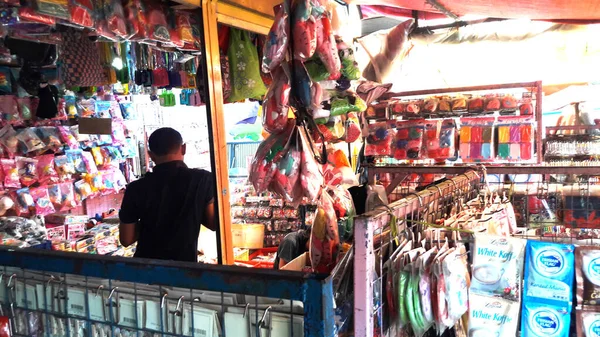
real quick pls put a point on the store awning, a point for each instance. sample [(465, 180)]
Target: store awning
[(522, 9)]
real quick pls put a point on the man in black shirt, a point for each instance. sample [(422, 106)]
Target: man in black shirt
[(163, 210), (292, 246)]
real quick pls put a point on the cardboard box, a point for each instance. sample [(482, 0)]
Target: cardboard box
[(56, 232), (298, 264)]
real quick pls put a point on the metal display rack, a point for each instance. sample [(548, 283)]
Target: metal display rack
[(130, 276)]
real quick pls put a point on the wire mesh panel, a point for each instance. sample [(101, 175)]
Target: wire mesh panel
[(64, 297)]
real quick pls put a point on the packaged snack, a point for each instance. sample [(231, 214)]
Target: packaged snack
[(24, 201), (492, 316), (158, 28), (275, 48), (10, 172), (445, 105), (76, 158), (83, 190), (353, 131), (9, 109), (50, 136), (128, 110), (67, 137), (25, 107), (90, 164), (440, 139), (515, 138), (304, 30), (587, 261), (102, 109), (98, 157), (27, 168), (476, 105), (492, 104), (311, 177), (409, 140), (64, 166), (509, 103), (30, 140), (68, 199), (45, 169), (459, 104), (43, 206), (276, 103), (82, 12), (430, 105), (588, 323), (55, 195), (8, 138), (498, 266), (379, 141), (545, 320), (549, 273), (476, 139), (55, 8)]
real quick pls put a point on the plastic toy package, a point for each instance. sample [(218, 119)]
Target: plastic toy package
[(286, 181), (265, 160), (29, 14), (276, 103), (379, 140), (27, 168), (43, 205), (439, 139), (135, 16), (330, 131), (50, 136), (68, 199), (304, 30), (275, 47), (515, 138), (350, 68), (55, 195), (343, 105), (476, 139), (157, 21), (98, 157), (311, 177), (353, 131), (76, 158), (10, 172), (327, 47), (102, 109), (83, 190), (55, 8), (409, 140), (24, 201), (128, 110), (29, 140), (118, 133), (25, 107), (67, 137), (88, 161), (64, 166), (9, 109), (325, 239), (8, 138), (82, 12), (184, 27), (45, 169)]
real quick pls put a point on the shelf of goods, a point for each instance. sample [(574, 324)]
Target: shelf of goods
[(481, 124), (399, 247), (149, 298)]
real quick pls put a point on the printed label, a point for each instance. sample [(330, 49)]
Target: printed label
[(549, 272), (492, 317), (549, 262), (76, 300), (545, 322)]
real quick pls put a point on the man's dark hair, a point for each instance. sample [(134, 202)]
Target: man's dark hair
[(165, 141)]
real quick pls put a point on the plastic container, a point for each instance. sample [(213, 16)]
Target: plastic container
[(249, 236)]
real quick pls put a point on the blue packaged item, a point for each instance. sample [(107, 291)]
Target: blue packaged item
[(549, 273), (542, 320)]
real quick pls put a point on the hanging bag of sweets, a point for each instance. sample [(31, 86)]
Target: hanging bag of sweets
[(276, 103), (304, 30), (327, 48), (275, 47), (245, 73)]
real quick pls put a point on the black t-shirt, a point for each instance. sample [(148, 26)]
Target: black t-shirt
[(169, 206), (292, 246)]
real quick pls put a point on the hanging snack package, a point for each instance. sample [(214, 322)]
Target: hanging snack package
[(311, 177), (27, 168), (549, 273), (275, 48), (409, 140), (545, 320), (102, 109), (55, 195), (68, 198), (50, 136), (353, 131), (45, 169), (265, 160), (587, 261), (10, 173), (82, 12), (118, 133), (98, 157), (184, 27), (90, 164), (83, 190), (476, 139), (25, 107), (327, 47), (9, 109), (67, 137), (304, 30), (55, 8), (489, 316), (8, 138), (64, 166), (276, 104), (440, 138), (76, 158), (128, 110), (43, 205), (30, 141), (588, 322), (24, 201), (379, 141), (498, 266), (157, 21), (515, 138), (324, 236)]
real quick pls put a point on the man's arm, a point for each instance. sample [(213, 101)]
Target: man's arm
[(287, 251), (128, 218), (209, 216)]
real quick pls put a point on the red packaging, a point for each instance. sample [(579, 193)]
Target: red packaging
[(175, 40), (82, 12), (43, 206), (115, 18), (68, 199), (45, 169), (135, 15), (10, 173), (157, 22), (27, 168), (29, 14), (184, 27)]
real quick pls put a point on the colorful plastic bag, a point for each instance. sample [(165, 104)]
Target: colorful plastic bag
[(439, 139), (82, 12), (409, 140), (10, 172), (379, 139), (27, 168), (276, 104), (353, 131), (327, 48), (266, 158), (304, 30), (277, 42), (45, 169), (245, 73), (43, 205), (311, 177), (324, 243)]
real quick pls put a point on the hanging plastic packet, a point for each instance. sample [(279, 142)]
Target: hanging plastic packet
[(286, 179), (549, 273), (82, 12), (25, 107), (409, 140), (129, 150), (8, 138), (587, 261), (440, 139), (324, 237), (30, 140), (24, 201), (102, 109), (115, 18), (455, 275), (304, 30), (379, 140), (275, 48), (10, 172), (68, 199), (276, 103), (498, 266), (302, 86), (136, 20), (118, 133), (545, 320), (343, 105), (27, 168), (184, 27), (71, 106), (492, 316), (331, 131), (55, 8), (76, 157), (344, 209), (266, 158), (128, 110), (515, 138), (67, 137), (327, 47), (83, 190), (492, 104), (97, 155), (45, 169), (43, 205), (588, 323), (157, 21), (55, 195), (353, 131), (90, 164), (350, 68), (476, 139), (50, 136), (311, 177), (64, 166), (9, 109)]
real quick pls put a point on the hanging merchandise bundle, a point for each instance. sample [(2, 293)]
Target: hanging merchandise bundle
[(312, 74), (65, 139)]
